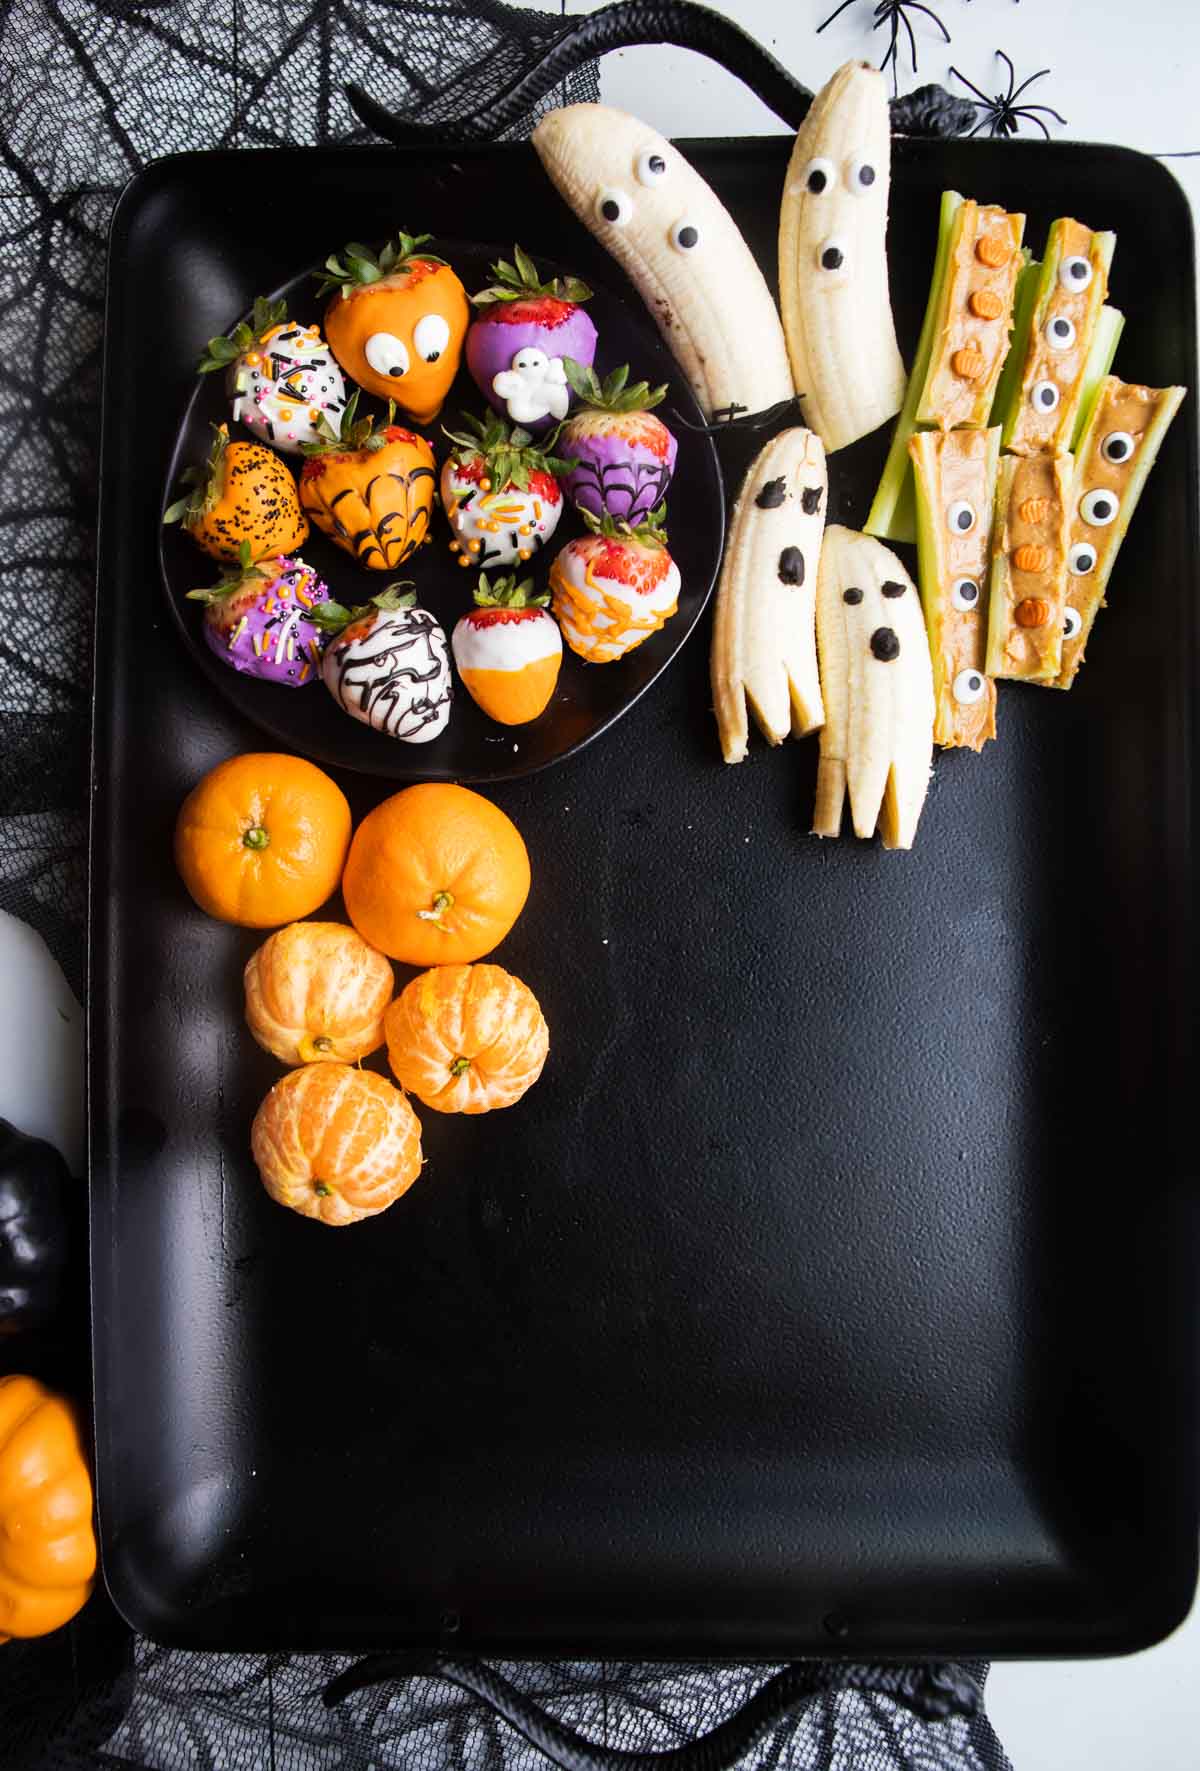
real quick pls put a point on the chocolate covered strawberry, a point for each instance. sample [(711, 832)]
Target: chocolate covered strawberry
[(261, 620), (508, 650), (517, 346), (500, 493), (625, 456), (615, 587)]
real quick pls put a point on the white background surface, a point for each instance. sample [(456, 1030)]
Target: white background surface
[(1125, 73), (1122, 73)]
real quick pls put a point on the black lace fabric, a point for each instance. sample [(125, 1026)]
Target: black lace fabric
[(90, 91)]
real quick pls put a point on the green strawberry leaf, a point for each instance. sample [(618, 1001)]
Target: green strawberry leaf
[(221, 352), (363, 267), (507, 593), (651, 531), (519, 281)]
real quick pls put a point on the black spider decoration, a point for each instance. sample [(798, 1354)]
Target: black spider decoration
[(1002, 114), (893, 14)]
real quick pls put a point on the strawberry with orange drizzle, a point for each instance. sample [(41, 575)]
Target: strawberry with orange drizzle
[(615, 587), (625, 456), (500, 493), (508, 650)]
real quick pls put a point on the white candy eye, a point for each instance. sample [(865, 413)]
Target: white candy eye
[(1082, 559), (833, 252), (1060, 333), (968, 687), (965, 594), (861, 175), (650, 167), (1117, 446), (386, 355), (961, 517), (431, 335), (614, 207), (819, 175), (684, 235), (1072, 622), (1075, 273), (1043, 396), (1098, 508)]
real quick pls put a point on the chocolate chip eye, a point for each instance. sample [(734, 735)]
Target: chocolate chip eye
[(891, 588), (1043, 396), (885, 644), (1082, 559), (614, 207), (1117, 446), (651, 167), (772, 494), (1060, 333), (1098, 508), (1075, 273), (860, 175), (1072, 622), (965, 594), (819, 175), (791, 566), (852, 596), (961, 517), (968, 687), (832, 253), (810, 500), (684, 235)]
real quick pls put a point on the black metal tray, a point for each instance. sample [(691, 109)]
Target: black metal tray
[(834, 1291)]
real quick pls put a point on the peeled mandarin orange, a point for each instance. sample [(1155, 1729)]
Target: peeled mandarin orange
[(262, 839), (315, 992), (466, 1038), (436, 875), (336, 1143)]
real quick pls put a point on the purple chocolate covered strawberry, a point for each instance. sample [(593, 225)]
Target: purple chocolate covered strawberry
[(257, 620), (525, 329), (624, 456)]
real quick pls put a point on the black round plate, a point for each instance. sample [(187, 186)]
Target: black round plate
[(588, 699)]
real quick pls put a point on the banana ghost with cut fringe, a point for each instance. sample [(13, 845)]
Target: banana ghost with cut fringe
[(877, 682), (833, 277), (672, 235), (764, 648)]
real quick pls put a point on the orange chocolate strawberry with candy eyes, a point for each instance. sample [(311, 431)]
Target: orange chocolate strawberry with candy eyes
[(397, 322), (243, 496)]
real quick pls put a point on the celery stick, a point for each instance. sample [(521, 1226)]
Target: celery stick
[(1008, 387), (1104, 348), (893, 515), (1024, 426)]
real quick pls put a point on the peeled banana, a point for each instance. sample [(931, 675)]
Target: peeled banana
[(833, 277), (877, 683), (764, 648), (680, 246)]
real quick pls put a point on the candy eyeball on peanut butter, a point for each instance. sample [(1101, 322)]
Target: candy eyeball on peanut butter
[(281, 377)]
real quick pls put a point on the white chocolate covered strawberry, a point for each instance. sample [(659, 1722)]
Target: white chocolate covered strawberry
[(508, 650), (615, 587), (500, 493)]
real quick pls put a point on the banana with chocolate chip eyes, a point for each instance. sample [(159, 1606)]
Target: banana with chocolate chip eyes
[(877, 684), (1120, 440), (764, 649), (833, 277), (671, 234)]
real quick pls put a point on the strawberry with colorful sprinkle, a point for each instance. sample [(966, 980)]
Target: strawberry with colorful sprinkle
[(613, 588), (500, 493), (508, 650), (260, 619)]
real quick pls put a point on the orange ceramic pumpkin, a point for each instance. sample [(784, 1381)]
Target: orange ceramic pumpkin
[(47, 1545), (261, 839), (243, 496), (370, 490), (335, 1143), (397, 322), (467, 1038), (435, 874), (315, 992)]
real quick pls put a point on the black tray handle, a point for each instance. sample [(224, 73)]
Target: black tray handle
[(933, 1693), (628, 24)]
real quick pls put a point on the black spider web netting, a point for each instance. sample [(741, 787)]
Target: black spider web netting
[(91, 90)]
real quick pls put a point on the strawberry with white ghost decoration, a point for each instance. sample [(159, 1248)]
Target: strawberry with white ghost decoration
[(522, 333), (534, 388), (281, 376)]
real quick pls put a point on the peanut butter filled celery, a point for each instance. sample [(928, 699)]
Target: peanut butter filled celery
[(1116, 452), (955, 482), (1028, 590), (962, 347)]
